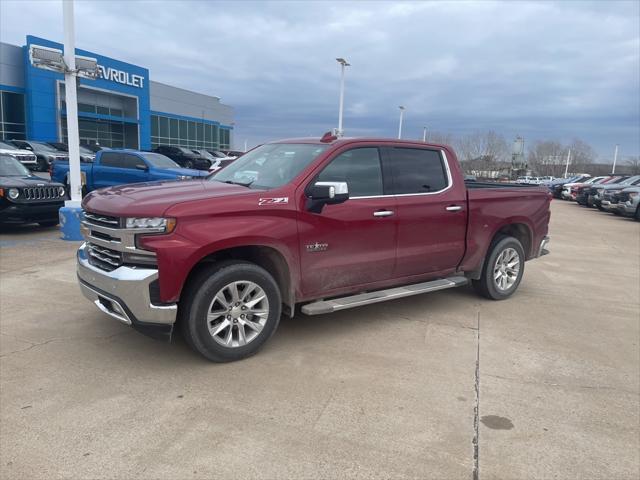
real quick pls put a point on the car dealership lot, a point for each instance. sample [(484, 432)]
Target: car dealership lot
[(387, 390)]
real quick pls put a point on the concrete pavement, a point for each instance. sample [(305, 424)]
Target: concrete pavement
[(444, 385)]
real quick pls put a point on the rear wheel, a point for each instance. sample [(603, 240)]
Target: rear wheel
[(43, 165), (188, 164), (637, 214), (503, 269), (230, 310)]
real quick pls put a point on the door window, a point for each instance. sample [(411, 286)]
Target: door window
[(110, 159), (360, 168), (417, 170), (131, 161)]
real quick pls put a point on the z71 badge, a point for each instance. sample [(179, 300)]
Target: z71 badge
[(273, 201)]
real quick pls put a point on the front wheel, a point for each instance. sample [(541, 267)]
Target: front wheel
[(230, 310), (42, 165), (188, 164), (503, 269)]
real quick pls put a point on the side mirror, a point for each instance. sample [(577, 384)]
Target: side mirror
[(326, 193), (142, 167)]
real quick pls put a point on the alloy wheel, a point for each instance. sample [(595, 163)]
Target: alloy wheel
[(506, 269)]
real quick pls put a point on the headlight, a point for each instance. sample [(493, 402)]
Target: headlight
[(631, 194), (61, 191), (600, 190), (13, 193), (166, 225)]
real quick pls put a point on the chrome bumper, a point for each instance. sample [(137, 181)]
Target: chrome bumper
[(123, 293), (543, 247)]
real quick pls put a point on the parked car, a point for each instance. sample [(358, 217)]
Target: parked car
[(555, 186), (220, 164), (629, 202), (183, 157), (221, 155), (95, 148), (598, 193), (26, 157), (526, 179), (233, 153), (310, 222), (569, 190), (585, 193), (27, 198), (86, 155), (44, 152), (117, 167)]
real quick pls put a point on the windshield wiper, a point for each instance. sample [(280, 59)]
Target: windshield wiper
[(242, 184)]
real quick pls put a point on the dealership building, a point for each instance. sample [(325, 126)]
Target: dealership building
[(121, 108)]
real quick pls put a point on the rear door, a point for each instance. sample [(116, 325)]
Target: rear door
[(431, 211), (116, 168), (353, 243)]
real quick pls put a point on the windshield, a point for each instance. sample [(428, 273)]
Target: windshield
[(8, 146), (271, 165), (10, 167), (159, 161), (185, 150), (86, 151), (43, 146), (205, 154), (217, 153)]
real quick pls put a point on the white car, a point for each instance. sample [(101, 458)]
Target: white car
[(26, 157)]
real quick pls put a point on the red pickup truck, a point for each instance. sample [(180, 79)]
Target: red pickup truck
[(320, 224)]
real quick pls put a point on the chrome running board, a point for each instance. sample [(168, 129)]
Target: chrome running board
[(328, 306)]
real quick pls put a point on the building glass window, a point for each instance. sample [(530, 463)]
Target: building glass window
[(192, 134), (12, 116)]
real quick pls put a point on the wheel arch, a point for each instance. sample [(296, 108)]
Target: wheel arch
[(267, 257)]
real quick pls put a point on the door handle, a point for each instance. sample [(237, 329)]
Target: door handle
[(453, 208), (383, 213)]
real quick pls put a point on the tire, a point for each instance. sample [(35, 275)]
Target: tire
[(636, 215), (188, 164), (487, 285), (50, 223), (202, 298)]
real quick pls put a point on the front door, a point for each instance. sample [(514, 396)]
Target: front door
[(431, 212), (353, 243), (116, 168)]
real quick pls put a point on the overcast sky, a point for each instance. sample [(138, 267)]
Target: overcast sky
[(543, 70)]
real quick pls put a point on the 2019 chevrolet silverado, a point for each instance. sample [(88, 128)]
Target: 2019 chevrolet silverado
[(25, 157), (44, 152), (320, 225), (118, 167), (26, 198)]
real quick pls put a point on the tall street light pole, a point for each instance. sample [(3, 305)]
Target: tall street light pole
[(71, 98), (566, 169), (343, 63), (400, 124), (615, 159), (424, 133)]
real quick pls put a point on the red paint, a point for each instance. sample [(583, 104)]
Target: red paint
[(422, 240)]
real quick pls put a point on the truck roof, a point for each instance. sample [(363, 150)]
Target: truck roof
[(347, 140)]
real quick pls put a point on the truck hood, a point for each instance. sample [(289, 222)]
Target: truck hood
[(19, 151), (154, 198), (187, 172)]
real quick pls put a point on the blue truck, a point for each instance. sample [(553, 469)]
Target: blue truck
[(117, 167)]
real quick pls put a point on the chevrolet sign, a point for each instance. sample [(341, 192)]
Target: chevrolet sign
[(120, 76)]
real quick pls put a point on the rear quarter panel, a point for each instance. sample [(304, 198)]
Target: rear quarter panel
[(492, 209)]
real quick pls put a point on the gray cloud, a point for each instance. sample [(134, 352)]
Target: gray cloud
[(542, 70)]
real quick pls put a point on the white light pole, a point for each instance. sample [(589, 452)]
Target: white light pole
[(566, 169), (615, 159), (71, 97), (245, 145), (343, 63), (424, 133), (400, 124)]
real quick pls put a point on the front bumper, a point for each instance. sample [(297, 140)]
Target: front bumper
[(124, 294), (628, 208), (29, 212)]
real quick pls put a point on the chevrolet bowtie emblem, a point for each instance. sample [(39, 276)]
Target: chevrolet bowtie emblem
[(317, 247)]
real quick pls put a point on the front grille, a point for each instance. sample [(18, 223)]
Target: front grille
[(623, 197), (104, 220), (41, 193), (104, 258)]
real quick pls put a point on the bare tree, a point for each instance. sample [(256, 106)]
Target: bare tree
[(582, 156), (634, 165), (440, 138), (547, 157), (490, 145)]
